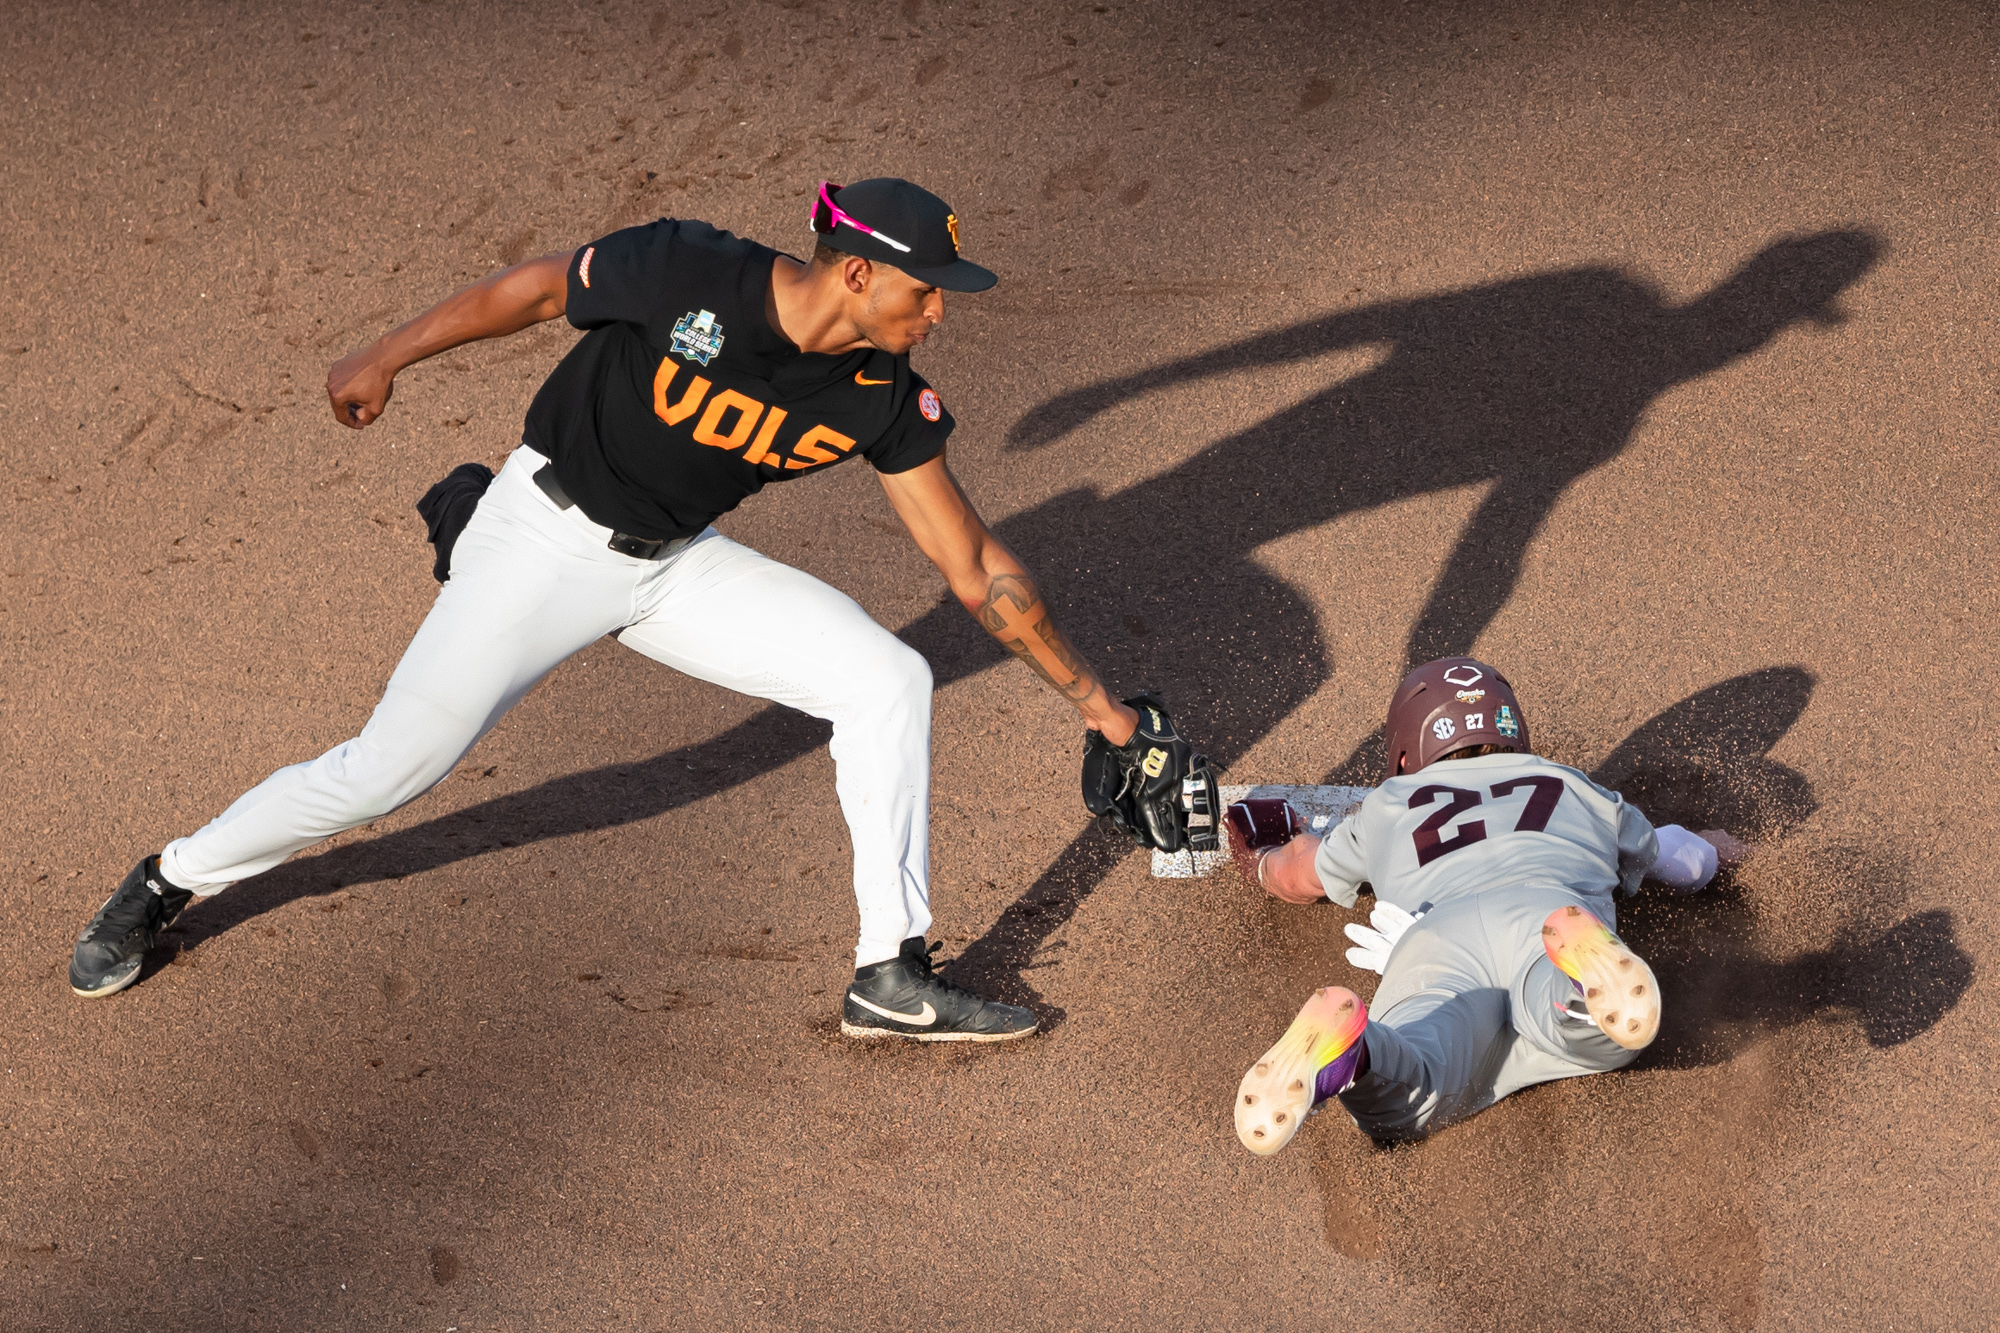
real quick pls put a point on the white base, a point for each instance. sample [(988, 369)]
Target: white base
[(1321, 807)]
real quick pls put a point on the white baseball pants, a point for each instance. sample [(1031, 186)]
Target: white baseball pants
[(531, 584), (1470, 1009)]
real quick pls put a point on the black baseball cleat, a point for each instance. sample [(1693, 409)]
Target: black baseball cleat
[(904, 997), (113, 946)]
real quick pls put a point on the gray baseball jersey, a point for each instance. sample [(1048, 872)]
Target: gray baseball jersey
[(1464, 826)]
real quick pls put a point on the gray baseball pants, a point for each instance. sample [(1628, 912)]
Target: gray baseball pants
[(1471, 1009)]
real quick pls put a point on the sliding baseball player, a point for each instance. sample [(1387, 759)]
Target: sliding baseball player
[(710, 367), (1494, 872)]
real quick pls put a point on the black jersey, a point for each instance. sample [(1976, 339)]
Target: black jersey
[(681, 399)]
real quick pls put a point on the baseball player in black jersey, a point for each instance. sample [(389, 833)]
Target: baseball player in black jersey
[(710, 367)]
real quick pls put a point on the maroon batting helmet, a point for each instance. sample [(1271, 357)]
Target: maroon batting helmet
[(1448, 705)]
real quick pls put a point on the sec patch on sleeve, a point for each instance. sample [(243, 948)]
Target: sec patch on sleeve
[(928, 404)]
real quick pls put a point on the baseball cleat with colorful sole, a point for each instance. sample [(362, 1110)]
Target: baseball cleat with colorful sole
[(1315, 1058), (1618, 989)]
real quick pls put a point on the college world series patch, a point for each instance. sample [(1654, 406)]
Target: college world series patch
[(927, 403), (697, 336)]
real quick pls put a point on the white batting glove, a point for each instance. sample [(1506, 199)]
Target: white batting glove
[(1687, 862), (1373, 946)]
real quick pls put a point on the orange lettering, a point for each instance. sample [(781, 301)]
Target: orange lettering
[(708, 431), (761, 449), (690, 400), (809, 445)]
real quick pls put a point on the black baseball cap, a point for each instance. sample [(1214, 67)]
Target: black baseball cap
[(890, 221)]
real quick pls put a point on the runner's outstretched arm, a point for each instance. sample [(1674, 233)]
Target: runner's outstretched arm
[(998, 590), (506, 302)]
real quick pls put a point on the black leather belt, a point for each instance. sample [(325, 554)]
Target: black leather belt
[(639, 548)]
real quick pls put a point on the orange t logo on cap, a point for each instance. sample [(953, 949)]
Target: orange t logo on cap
[(951, 225)]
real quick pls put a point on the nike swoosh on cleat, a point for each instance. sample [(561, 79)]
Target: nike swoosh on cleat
[(923, 1018), (858, 379)]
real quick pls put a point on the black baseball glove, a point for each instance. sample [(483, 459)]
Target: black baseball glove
[(1154, 786)]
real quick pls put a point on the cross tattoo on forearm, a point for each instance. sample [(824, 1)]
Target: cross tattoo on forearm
[(1014, 614)]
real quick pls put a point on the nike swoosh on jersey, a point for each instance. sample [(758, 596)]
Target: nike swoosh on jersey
[(923, 1018), (860, 379)]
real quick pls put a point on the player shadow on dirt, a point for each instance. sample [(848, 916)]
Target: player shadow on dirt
[(1705, 763), (1524, 386), (598, 798)]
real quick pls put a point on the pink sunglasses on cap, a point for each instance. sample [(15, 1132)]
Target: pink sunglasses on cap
[(827, 215)]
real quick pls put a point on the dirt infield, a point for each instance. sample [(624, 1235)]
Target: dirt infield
[(1644, 349)]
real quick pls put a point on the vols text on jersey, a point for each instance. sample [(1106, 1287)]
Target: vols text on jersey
[(719, 430)]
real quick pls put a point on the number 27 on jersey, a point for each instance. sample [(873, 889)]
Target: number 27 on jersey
[(1429, 838)]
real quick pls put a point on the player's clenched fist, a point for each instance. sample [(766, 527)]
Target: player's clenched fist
[(359, 387)]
